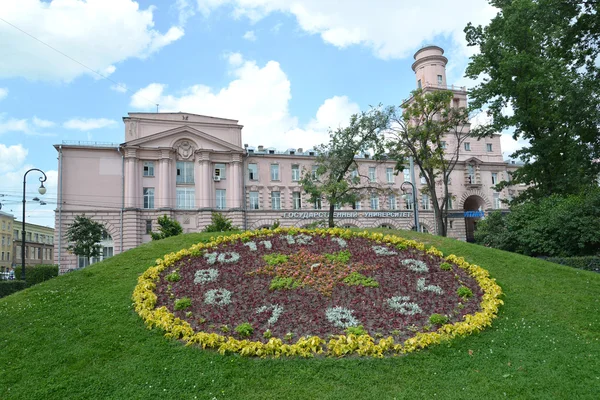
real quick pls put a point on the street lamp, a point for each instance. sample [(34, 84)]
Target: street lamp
[(414, 196), (42, 191)]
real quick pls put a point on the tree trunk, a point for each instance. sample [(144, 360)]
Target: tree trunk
[(331, 211)]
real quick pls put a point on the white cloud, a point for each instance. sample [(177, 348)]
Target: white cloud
[(86, 124), (97, 33), (392, 29), (185, 11), (250, 36), (3, 93), (13, 125), (121, 87), (11, 156), (42, 123), (258, 97)]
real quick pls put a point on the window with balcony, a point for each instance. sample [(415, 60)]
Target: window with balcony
[(274, 172), (253, 172), (185, 172), (295, 173), (185, 198), (254, 204), (148, 198), (276, 200), (297, 200), (389, 173), (148, 168), (221, 199)]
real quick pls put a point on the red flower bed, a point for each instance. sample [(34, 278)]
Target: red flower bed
[(303, 310)]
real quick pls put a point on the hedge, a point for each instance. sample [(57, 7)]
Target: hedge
[(589, 263), (10, 287), (35, 274)]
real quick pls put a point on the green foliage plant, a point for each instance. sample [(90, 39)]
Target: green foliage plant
[(275, 258), (167, 227), (173, 277), (464, 292), (84, 236), (244, 329), (358, 279), (341, 256), (183, 303), (267, 334), (279, 283), (219, 223), (356, 330), (438, 319), (446, 266)]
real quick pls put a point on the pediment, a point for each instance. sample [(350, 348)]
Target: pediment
[(473, 160), (200, 140)]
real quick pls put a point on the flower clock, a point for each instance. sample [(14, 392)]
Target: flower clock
[(299, 292)]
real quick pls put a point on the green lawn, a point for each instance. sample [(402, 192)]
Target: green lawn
[(76, 336)]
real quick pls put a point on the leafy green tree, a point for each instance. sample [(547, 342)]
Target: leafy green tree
[(333, 178), (84, 236), (167, 227), (432, 132), (538, 60), (219, 223)]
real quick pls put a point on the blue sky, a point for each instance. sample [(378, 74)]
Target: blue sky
[(287, 70)]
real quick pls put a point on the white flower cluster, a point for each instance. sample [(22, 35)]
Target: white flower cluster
[(383, 251), (267, 244), (251, 245), (298, 239), (403, 306), (228, 257), (421, 287), (205, 275), (341, 317), (218, 297), (254, 247), (339, 241), (415, 265), (211, 258), (277, 310)]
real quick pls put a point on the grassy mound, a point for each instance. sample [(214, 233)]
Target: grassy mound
[(77, 336)]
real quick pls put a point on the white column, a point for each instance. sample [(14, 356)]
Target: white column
[(131, 180), (164, 190)]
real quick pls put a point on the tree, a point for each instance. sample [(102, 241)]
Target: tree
[(84, 235), (538, 58), (333, 178), (432, 132), (219, 223), (168, 227)]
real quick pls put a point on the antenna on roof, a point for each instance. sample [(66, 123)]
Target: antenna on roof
[(157, 108)]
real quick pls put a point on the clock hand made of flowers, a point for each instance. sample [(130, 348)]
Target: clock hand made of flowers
[(287, 291)]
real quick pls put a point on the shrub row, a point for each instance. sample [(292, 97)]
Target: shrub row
[(9, 287), (589, 263)]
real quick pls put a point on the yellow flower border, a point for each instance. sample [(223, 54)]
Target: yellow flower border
[(340, 345)]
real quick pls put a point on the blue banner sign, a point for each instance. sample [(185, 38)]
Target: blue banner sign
[(474, 214)]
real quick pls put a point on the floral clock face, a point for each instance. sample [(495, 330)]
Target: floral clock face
[(293, 284)]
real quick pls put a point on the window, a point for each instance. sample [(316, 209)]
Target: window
[(2, 259), (439, 79), (107, 252), (489, 147), (356, 205), (274, 172), (406, 175), (494, 178), (148, 197), (185, 172), (471, 174), (315, 172), (221, 201), (392, 202), (408, 201), (3, 241), (254, 201), (374, 201), (318, 204), (295, 173), (16, 234), (372, 174), (8, 256), (467, 146), (148, 168), (423, 180), (297, 200), (29, 236), (276, 200), (449, 201), (3, 225), (419, 84), (425, 202), (36, 237), (253, 172), (389, 172), (185, 198), (443, 144), (496, 200), (354, 173), (220, 171), (148, 226)]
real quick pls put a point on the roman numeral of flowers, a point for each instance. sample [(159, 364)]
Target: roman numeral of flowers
[(341, 317), (227, 257), (415, 265), (383, 251), (339, 241), (298, 239), (253, 247), (421, 287), (205, 275), (403, 306), (276, 311), (217, 297)]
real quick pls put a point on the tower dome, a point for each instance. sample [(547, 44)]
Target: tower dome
[(430, 67)]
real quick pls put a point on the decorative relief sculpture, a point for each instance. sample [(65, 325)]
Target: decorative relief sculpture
[(185, 149)]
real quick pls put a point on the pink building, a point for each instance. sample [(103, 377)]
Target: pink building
[(186, 166)]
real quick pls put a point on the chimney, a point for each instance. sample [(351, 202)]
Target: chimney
[(260, 147), (300, 150)]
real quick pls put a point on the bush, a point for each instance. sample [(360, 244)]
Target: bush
[(35, 274), (10, 287), (244, 330), (589, 263), (183, 303), (168, 227), (219, 223)]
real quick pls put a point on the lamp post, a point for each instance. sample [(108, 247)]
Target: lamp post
[(414, 196), (42, 191)]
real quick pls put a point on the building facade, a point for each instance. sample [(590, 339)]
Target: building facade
[(6, 246), (185, 166), (39, 244)]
